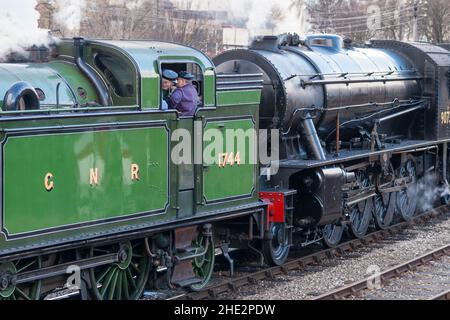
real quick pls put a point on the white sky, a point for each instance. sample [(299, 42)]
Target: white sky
[(20, 8), (257, 11)]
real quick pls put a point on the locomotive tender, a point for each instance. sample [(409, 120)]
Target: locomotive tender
[(88, 182)]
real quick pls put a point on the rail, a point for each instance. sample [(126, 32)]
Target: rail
[(394, 272)]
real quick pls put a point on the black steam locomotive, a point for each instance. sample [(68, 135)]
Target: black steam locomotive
[(361, 130)]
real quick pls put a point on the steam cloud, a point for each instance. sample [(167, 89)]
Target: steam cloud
[(262, 20), (427, 191), (258, 14), (19, 27), (69, 13)]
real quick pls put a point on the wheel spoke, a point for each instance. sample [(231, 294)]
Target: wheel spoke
[(119, 285), (107, 282), (125, 279), (203, 266), (26, 266), (131, 280), (135, 268), (361, 213), (407, 201), (22, 294), (113, 287), (200, 272), (104, 274), (125, 287), (25, 291)]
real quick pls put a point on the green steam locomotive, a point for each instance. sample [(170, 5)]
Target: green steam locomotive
[(89, 180)]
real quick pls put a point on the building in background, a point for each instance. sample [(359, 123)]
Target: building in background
[(46, 11), (234, 37)]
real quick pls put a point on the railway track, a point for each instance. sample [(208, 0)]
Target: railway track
[(442, 296), (356, 288), (229, 286)]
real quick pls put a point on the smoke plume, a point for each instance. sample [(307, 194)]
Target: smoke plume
[(275, 17), (19, 27), (69, 14), (263, 16)]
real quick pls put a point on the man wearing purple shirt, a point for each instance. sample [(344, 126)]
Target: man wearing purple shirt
[(185, 98)]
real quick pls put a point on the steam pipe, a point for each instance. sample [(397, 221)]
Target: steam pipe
[(100, 88), (312, 141), (401, 113)]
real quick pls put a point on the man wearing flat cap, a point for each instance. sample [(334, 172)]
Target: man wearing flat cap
[(169, 79), (185, 97)]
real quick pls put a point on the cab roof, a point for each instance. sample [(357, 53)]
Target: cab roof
[(145, 53)]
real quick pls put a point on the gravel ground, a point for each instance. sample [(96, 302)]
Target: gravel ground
[(334, 273), (424, 283)]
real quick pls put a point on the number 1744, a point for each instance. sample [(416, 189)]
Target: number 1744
[(229, 158)]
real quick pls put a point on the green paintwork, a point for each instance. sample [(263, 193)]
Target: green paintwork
[(231, 98), (39, 76), (129, 67), (69, 157), (231, 181), (144, 53), (145, 57), (72, 76), (47, 146), (141, 57), (149, 85), (209, 98), (47, 76)]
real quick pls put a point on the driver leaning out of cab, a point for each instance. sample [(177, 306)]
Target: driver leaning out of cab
[(185, 98)]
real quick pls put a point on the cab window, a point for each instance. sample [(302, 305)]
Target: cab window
[(118, 74), (193, 69)]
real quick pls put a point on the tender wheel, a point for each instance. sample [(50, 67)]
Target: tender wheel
[(361, 213), (22, 291), (124, 280), (276, 250), (332, 235), (407, 198), (203, 266)]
